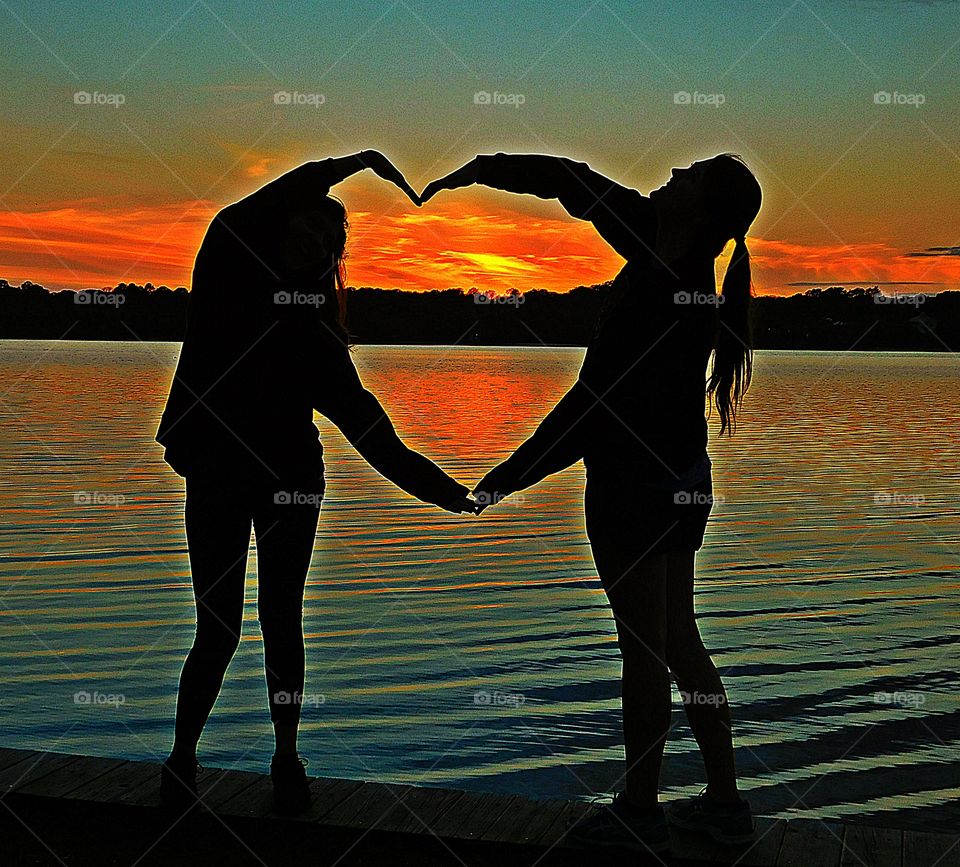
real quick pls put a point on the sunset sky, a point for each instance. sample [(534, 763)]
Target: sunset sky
[(859, 189)]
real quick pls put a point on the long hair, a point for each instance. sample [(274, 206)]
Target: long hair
[(317, 244), (733, 197)]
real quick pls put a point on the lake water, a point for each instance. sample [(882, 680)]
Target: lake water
[(479, 652)]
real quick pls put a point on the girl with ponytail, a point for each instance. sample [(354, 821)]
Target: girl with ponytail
[(636, 417)]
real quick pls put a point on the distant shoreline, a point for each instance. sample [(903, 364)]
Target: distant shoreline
[(831, 319)]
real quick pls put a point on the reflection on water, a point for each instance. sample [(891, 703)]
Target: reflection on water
[(479, 652)]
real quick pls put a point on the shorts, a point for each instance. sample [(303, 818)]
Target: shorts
[(644, 517)]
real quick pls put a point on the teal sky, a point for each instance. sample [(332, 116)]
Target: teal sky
[(597, 80)]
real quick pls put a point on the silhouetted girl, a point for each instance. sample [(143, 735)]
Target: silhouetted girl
[(265, 346), (636, 418)]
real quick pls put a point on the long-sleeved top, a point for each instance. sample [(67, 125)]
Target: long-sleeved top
[(637, 407), (263, 349)]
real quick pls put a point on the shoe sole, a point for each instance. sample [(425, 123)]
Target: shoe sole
[(714, 833)]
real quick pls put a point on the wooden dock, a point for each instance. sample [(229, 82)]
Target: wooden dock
[(64, 809)]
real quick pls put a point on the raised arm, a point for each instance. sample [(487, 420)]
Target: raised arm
[(624, 218), (313, 180)]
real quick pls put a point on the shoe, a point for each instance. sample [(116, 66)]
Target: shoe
[(178, 784), (291, 788), (726, 823), (623, 826)]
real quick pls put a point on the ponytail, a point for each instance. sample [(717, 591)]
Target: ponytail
[(733, 347)]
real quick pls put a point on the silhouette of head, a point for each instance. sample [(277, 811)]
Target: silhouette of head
[(699, 210), (314, 248), (714, 200)]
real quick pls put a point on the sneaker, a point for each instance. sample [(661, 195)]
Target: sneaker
[(624, 826), (726, 823), (291, 788), (178, 783)]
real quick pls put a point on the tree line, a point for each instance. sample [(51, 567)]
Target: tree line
[(834, 317)]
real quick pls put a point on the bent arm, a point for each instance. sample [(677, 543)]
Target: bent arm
[(620, 214)]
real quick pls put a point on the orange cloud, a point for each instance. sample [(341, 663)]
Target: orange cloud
[(90, 243)]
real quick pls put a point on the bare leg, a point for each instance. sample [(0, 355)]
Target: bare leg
[(285, 539), (218, 535), (637, 594), (705, 699)]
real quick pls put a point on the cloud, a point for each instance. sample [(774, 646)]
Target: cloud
[(935, 251)]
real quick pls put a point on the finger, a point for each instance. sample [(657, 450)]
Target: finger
[(430, 190)]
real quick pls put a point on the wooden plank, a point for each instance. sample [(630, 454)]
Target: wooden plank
[(69, 777), (470, 816), (690, 846), (378, 801), (922, 849), (10, 756), (573, 812), (217, 786), (419, 810), (811, 843), (761, 852), (326, 794), (254, 800), (22, 773), (874, 847), (523, 821), (115, 783), (548, 810)]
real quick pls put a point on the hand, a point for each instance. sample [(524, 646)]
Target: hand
[(462, 505), (389, 172), (491, 489), (462, 177)]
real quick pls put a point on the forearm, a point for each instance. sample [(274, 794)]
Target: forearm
[(620, 214), (558, 442), (370, 431)]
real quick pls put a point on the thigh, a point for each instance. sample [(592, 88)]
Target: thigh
[(636, 589), (285, 533), (218, 537)]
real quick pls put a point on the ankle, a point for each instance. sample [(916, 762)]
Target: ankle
[(641, 805), (724, 797), (181, 757)]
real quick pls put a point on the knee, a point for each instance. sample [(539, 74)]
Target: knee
[(216, 640), (641, 645), (281, 626), (685, 652)]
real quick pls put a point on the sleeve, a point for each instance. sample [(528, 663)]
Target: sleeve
[(619, 213), (342, 398), (558, 442)]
